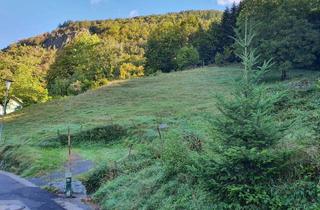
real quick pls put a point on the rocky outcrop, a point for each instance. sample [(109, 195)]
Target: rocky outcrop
[(56, 39)]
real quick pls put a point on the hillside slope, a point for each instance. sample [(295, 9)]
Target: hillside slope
[(130, 172), (140, 105), (166, 95)]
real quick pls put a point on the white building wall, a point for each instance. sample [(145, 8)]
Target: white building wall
[(11, 107)]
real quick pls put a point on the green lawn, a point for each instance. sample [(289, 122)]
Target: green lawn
[(166, 95), (180, 99)]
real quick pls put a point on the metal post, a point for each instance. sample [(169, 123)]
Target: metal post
[(159, 132), (5, 102), (69, 173), (1, 127), (69, 146)]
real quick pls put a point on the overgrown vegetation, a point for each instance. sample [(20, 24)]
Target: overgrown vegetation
[(98, 135)]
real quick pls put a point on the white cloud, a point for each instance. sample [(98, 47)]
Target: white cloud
[(134, 13), (228, 2), (94, 2)]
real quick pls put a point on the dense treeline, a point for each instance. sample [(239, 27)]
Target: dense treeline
[(211, 43), (88, 54), (286, 30)]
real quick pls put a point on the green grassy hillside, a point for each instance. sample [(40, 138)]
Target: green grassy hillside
[(139, 104), (148, 99), (185, 101)]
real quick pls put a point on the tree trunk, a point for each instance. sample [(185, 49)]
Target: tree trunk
[(284, 75)]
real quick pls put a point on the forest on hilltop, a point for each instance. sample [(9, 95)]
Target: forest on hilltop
[(86, 54)]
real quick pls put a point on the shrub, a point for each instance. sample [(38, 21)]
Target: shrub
[(300, 194), (59, 87), (105, 134), (175, 157), (229, 56), (97, 177), (99, 83), (187, 57), (219, 59), (242, 175), (128, 71), (75, 88), (194, 142), (104, 173)]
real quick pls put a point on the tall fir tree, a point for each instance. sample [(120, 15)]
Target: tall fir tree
[(247, 131)]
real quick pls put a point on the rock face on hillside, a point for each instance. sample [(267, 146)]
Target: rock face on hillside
[(56, 39)]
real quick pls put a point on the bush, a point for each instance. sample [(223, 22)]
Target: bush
[(300, 194), (14, 158), (219, 59), (99, 83), (187, 57), (175, 157), (194, 142), (106, 134), (104, 173), (75, 88), (242, 175), (128, 71), (59, 87), (97, 177)]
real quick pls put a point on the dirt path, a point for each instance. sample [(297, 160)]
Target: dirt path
[(56, 180), (78, 167)]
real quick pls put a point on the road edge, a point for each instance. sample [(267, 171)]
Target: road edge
[(18, 179)]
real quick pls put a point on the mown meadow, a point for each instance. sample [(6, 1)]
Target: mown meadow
[(140, 105)]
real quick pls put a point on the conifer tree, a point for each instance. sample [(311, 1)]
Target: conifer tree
[(248, 131), (247, 119)]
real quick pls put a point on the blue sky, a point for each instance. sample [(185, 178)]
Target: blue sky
[(25, 18)]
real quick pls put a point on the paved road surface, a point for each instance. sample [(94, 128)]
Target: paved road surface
[(17, 193)]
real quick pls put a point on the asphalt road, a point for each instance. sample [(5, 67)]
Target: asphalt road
[(15, 193)]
